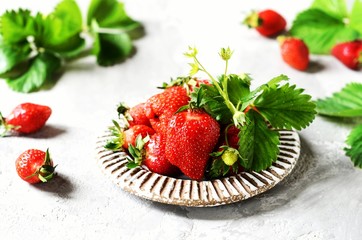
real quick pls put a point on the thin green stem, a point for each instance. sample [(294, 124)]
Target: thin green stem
[(215, 82)]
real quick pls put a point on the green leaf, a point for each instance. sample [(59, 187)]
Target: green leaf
[(112, 48), (273, 83), (39, 73), (207, 97), (11, 57), (258, 145), (286, 107), (346, 103), (355, 18), (62, 28), (238, 87), (334, 8), (354, 151), (16, 26), (109, 14), (321, 31)]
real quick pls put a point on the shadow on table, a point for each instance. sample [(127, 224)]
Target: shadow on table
[(48, 131), (303, 175), (315, 67), (60, 185)]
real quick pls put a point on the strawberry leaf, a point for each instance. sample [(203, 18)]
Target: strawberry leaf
[(346, 103), (355, 18), (335, 8), (40, 72), (238, 87), (321, 31), (354, 151), (112, 48), (286, 107), (16, 26), (258, 145), (11, 57), (62, 29), (207, 97), (109, 13)]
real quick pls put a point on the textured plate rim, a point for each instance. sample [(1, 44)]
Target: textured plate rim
[(152, 186)]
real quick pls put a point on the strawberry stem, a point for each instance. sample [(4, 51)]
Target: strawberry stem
[(238, 116)]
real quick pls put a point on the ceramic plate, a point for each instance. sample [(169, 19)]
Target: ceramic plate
[(156, 187)]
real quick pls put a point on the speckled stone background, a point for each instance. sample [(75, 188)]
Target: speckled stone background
[(321, 199)]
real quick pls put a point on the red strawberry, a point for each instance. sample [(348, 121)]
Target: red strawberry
[(125, 137), (294, 52), (349, 53), (155, 158), (132, 133), (191, 136), (26, 118), (232, 136), (197, 83), (162, 106), (138, 116), (268, 22), (34, 166)]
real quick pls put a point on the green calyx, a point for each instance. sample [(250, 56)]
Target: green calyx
[(137, 152), (118, 140), (122, 108), (6, 128), (252, 20), (46, 172)]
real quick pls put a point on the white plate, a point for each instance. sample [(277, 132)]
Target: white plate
[(164, 189)]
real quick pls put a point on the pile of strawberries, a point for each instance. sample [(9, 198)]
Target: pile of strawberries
[(169, 137), (294, 51)]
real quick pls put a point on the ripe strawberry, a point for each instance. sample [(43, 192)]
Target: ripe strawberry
[(26, 118), (349, 53), (123, 138), (268, 22), (294, 52), (138, 116), (162, 106), (232, 136), (34, 166), (191, 136), (134, 115), (131, 134), (197, 83), (155, 157)]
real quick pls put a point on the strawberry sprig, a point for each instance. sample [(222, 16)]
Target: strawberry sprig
[(256, 113)]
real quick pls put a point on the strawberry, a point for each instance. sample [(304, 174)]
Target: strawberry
[(191, 136), (349, 53), (132, 133), (123, 138), (294, 52), (26, 118), (138, 116), (268, 22), (134, 115), (155, 157), (34, 166), (232, 136), (160, 107), (194, 83)]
